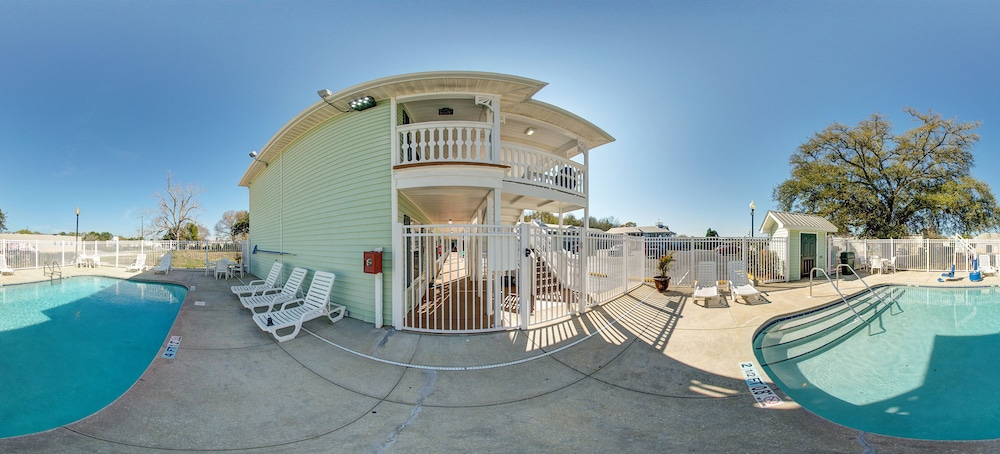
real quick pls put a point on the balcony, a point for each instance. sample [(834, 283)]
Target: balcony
[(471, 143)]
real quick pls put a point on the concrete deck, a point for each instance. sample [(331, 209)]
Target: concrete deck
[(662, 378)]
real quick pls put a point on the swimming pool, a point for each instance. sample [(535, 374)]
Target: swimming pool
[(925, 367), (70, 348)]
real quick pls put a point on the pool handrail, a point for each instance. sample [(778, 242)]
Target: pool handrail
[(842, 297)]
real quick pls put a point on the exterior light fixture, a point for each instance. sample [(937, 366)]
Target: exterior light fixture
[(324, 93), (446, 111), (253, 155), (529, 131), (753, 206), (363, 103)]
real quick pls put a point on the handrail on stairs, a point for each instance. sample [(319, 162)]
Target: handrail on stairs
[(842, 297)]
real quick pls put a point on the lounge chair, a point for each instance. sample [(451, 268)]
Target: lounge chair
[(739, 285), (949, 276), (166, 264), (707, 284), (984, 265), (139, 265), (270, 300), (315, 304), (260, 286), (95, 260), (4, 268)]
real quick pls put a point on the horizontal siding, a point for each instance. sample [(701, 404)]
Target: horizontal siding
[(337, 204)]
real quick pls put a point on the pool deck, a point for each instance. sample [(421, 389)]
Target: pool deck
[(658, 373)]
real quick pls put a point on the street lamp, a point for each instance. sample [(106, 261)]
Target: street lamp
[(753, 206), (77, 249)]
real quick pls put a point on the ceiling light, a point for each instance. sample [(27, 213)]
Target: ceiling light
[(529, 131), (363, 103)]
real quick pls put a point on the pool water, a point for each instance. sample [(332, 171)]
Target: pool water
[(926, 369), (70, 348)]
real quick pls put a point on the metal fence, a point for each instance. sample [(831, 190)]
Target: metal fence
[(28, 254), (919, 254), (765, 258)]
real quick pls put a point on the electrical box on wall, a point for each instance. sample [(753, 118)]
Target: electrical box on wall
[(373, 262)]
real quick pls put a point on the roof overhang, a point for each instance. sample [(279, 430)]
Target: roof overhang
[(514, 92)]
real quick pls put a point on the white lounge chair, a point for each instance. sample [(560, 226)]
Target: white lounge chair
[(706, 286), (985, 266), (739, 284), (4, 268), (222, 267), (260, 286), (166, 264), (95, 260), (139, 265), (270, 301), (316, 304)]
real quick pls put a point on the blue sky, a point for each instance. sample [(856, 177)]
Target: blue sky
[(707, 100)]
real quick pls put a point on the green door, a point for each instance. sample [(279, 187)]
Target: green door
[(807, 252)]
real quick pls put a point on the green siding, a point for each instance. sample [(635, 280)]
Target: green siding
[(336, 192)]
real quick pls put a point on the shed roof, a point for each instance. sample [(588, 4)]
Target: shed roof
[(797, 221)]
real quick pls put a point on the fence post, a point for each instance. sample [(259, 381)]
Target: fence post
[(36, 254), (525, 284)]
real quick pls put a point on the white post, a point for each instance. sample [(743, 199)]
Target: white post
[(378, 296), (525, 274), (398, 275)]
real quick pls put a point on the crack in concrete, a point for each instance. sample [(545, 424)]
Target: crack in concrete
[(427, 389)]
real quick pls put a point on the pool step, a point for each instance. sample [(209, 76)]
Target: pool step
[(799, 336)]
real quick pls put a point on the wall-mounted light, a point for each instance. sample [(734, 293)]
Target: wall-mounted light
[(529, 131), (365, 102), (253, 155)]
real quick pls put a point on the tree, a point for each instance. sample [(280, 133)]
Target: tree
[(176, 208), (3, 221), (629, 224), (873, 183), (711, 233), (234, 225)]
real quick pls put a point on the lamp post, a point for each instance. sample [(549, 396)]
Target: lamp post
[(753, 206), (77, 249)]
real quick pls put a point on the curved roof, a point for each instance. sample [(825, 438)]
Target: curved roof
[(515, 98)]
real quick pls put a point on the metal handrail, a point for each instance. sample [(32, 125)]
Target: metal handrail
[(842, 297), (51, 267)]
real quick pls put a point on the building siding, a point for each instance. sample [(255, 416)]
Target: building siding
[(336, 192)]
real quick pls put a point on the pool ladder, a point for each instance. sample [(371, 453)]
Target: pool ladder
[(51, 269), (812, 272)]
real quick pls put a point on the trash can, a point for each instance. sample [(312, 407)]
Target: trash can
[(847, 258)]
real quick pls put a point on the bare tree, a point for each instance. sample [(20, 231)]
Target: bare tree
[(176, 208), (234, 225)]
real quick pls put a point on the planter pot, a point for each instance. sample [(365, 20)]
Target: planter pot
[(661, 283)]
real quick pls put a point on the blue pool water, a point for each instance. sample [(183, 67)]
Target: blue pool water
[(928, 368), (70, 348)]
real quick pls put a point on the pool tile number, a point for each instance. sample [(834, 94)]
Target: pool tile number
[(172, 346), (758, 389)]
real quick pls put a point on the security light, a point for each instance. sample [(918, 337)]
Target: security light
[(363, 103)]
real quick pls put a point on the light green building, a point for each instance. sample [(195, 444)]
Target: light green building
[(373, 166)]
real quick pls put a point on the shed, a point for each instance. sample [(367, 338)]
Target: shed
[(807, 239)]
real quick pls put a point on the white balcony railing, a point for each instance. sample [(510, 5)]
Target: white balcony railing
[(472, 142), (445, 142), (544, 169)]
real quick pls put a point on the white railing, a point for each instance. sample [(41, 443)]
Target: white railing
[(765, 257), (917, 254), (28, 254), (532, 166), (445, 142)]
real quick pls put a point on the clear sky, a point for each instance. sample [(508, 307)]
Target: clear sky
[(707, 100)]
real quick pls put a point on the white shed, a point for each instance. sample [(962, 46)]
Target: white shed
[(807, 239)]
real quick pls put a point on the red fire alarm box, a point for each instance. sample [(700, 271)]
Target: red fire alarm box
[(373, 262)]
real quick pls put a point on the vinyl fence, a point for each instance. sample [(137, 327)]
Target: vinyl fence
[(28, 254)]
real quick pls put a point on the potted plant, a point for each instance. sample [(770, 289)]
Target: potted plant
[(662, 282)]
